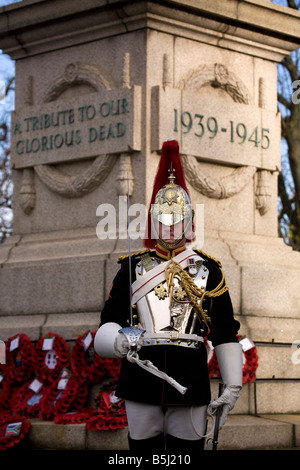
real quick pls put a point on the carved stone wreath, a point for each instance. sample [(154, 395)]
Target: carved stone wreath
[(216, 188), (217, 76), (76, 186)]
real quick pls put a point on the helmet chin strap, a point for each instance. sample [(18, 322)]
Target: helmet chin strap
[(170, 246)]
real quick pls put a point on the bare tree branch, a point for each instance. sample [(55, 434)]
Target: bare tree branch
[(288, 63), (284, 101), (292, 4), (9, 86)]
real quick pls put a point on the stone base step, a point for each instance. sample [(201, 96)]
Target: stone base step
[(241, 432), (264, 432)]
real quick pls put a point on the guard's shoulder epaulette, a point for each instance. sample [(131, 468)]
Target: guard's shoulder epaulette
[(209, 257), (133, 255)]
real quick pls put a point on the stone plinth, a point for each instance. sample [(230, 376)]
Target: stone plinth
[(241, 432)]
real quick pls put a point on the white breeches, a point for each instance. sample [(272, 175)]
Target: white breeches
[(146, 421)]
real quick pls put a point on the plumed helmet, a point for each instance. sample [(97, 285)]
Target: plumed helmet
[(170, 202)]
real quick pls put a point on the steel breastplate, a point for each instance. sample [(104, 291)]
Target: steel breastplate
[(153, 311)]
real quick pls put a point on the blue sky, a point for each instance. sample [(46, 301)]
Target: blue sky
[(7, 2), (7, 66)]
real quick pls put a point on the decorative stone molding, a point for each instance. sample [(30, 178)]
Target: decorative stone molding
[(28, 95), (263, 191), (125, 177), (262, 92), (79, 185), (216, 188), (126, 71), (27, 194), (167, 73)]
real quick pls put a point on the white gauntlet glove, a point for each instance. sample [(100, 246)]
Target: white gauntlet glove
[(227, 400), (121, 345), (230, 360), (109, 340), (128, 339)]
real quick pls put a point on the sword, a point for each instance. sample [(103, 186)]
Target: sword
[(129, 253), (213, 443)]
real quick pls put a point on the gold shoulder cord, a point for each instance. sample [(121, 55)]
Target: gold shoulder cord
[(137, 253), (194, 294), (211, 257)]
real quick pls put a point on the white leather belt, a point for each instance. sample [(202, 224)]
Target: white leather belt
[(172, 338)]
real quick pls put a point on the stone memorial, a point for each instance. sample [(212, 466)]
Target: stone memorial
[(99, 87)]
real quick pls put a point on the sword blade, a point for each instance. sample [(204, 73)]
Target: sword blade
[(129, 252)]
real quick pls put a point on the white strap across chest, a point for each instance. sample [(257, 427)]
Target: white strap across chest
[(146, 283)]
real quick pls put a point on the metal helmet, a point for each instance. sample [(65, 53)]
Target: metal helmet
[(171, 206)]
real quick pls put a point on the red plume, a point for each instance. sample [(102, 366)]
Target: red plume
[(170, 157)]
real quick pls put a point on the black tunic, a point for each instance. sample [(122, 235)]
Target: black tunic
[(188, 366)]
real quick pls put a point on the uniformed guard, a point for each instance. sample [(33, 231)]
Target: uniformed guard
[(179, 296)]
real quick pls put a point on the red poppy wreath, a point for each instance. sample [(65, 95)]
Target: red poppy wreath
[(20, 357), (109, 412), (68, 393), (12, 430), (52, 356), (88, 364)]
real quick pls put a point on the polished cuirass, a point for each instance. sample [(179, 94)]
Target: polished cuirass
[(156, 313)]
